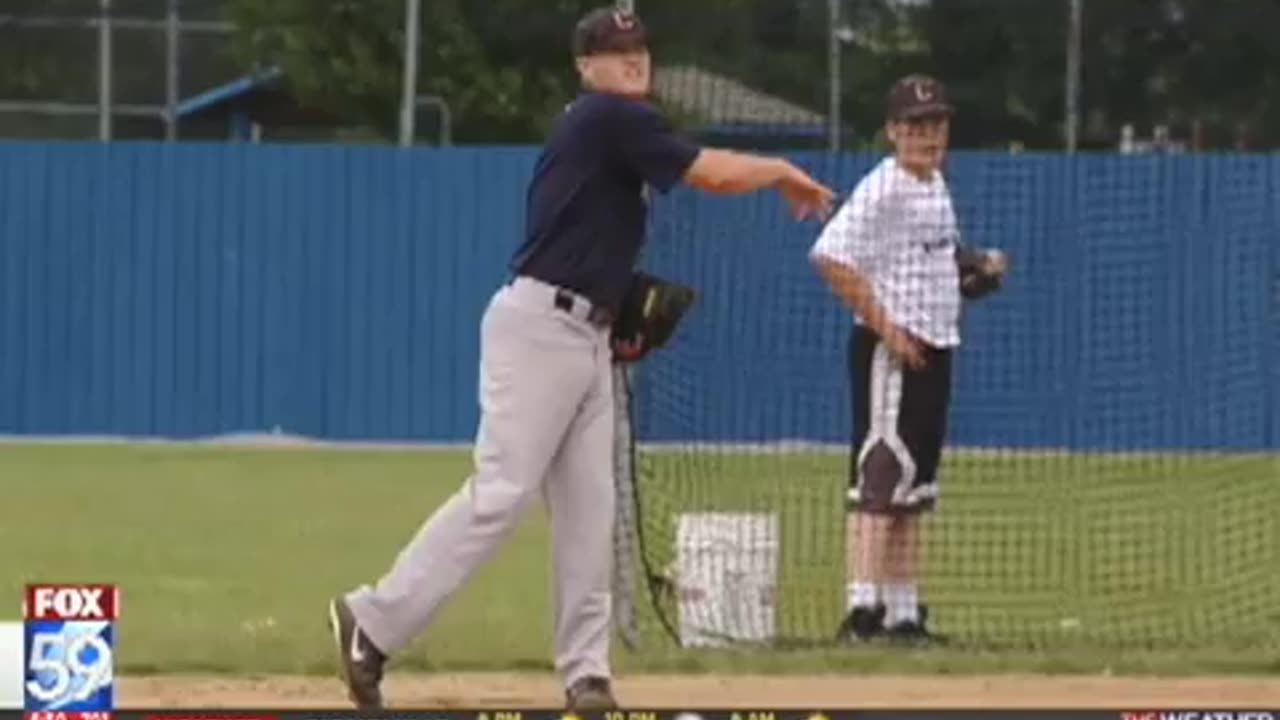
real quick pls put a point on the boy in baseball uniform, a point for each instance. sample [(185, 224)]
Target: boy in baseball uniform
[(892, 254)]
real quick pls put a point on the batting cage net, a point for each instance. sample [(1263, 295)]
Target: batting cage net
[(1110, 477)]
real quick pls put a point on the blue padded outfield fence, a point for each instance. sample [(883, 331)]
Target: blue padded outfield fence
[(187, 290)]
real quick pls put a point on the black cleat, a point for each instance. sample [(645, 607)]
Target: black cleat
[(359, 661), (862, 624), (590, 694), (915, 632)]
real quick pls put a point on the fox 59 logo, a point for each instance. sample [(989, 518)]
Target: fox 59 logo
[(68, 648), (69, 665)]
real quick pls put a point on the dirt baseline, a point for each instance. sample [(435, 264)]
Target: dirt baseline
[(703, 691)]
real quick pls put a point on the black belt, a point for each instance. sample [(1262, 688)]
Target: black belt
[(598, 315), (567, 300)]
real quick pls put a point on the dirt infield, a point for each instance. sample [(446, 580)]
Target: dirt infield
[(650, 691)]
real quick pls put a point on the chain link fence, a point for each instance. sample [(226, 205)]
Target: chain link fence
[(108, 69), (1174, 75), (1167, 75)]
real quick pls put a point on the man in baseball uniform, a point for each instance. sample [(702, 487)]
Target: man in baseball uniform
[(545, 391), (892, 254)]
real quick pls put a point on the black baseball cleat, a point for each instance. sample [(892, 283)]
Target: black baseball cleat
[(359, 661), (916, 632), (590, 694), (862, 624)]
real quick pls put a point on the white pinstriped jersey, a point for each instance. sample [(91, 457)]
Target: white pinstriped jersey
[(901, 233)]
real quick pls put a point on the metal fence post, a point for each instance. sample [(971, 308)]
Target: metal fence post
[(104, 72), (1072, 89), (409, 90), (172, 67)]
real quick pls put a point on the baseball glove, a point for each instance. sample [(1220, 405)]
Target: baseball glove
[(981, 272), (650, 312)]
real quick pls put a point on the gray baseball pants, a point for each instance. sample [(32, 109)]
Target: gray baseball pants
[(546, 426)]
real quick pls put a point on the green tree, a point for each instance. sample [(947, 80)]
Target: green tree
[(1223, 72), (44, 63), (336, 56), (1144, 62), (503, 66)]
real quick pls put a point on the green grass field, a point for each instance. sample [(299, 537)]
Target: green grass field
[(227, 556), (1028, 550)]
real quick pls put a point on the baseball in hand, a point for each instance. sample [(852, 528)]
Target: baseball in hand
[(997, 263)]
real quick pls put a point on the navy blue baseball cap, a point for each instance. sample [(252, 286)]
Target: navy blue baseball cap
[(608, 30), (917, 96)]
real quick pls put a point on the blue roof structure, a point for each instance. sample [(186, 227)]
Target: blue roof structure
[(231, 92), (259, 98)]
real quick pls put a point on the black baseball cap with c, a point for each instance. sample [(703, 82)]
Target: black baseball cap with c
[(608, 30), (918, 96)]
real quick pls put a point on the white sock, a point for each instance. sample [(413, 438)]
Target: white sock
[(902, 603), (860, 594)]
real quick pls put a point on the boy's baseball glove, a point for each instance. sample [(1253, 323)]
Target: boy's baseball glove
[(981, 271)]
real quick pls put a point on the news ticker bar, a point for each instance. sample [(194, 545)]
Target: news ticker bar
[(557, 714)]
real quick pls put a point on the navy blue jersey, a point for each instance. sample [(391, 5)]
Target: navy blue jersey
[(586, 211)]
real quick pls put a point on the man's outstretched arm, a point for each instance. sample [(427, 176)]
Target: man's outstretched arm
[(726, 172), (729, 172), (649, 147)]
